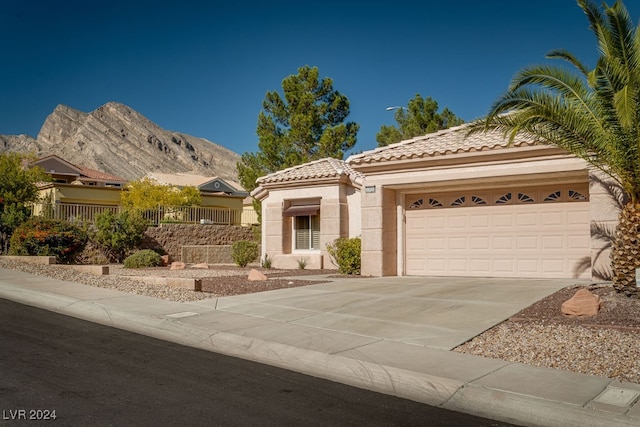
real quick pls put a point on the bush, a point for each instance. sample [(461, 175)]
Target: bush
[(266, 262), (143, 259), (119, 234), (48, 237), (244, 251), (345, 254)]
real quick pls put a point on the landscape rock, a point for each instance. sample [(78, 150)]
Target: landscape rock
[(164, 260), (255, 275), (177, 265), (582, 303)]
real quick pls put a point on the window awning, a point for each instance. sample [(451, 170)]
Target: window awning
[(304, 210)]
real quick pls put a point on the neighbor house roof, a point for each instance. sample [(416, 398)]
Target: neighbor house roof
[(318, 169), (180, 179), (91, 173), (449, 141), (55, 164), (198, 181)]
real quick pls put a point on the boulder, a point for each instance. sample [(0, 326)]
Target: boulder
[(177, 265), (255, 275), (165, 260), (582, 303)]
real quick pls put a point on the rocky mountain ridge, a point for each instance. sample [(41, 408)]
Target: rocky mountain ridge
[(118, 140)]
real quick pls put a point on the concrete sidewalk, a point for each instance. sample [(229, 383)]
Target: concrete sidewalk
[(390, 335)]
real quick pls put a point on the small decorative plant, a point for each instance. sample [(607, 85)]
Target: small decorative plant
[(244, 251), (266, 262), (143, 259), (345, 254)]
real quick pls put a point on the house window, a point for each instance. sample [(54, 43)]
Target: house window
[(576, 195), (477, 200), (435, 203), (459, 201), (525, 198), (417, 204), (503, 200), (553, 197), (307, 232)]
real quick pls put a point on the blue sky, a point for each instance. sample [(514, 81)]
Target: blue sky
[(204, 67)]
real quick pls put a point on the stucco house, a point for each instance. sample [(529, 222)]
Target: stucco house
[(215, 191), (444, 204), (77, 185)]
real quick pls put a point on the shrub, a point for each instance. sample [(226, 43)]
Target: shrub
[(302, 263), (48, 237), (345, 254), (244, 251), (120, 233), (143, 259), (266, 262)]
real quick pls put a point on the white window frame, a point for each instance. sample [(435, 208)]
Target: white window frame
[(314, 234)]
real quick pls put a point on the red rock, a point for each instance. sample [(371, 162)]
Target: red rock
[(177, 265), (582, 303), (255, 275), (165, 260)]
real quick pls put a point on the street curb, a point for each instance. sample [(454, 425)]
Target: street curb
[(429, 389)]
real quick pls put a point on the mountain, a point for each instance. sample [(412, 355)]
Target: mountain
[(118, 140)]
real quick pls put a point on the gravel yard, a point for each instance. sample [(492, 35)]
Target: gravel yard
[(605, 345)]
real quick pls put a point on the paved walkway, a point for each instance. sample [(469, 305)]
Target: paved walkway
[(390, 335)]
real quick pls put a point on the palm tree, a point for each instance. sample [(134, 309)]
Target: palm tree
[(593, 114)]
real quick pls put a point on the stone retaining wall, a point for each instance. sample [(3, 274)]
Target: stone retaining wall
[(216, 240)]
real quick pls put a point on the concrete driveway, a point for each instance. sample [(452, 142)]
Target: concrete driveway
[(441, 312)]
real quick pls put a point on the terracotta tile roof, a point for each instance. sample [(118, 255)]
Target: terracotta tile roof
[(323, 168), (449, 141), (94, 174)]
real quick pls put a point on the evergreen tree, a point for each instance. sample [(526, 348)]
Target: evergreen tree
[(419, 118), (306, 123)]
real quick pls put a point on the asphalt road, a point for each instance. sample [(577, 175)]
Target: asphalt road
[(89, 374)]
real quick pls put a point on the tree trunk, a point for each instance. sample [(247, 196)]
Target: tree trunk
[(625, 254)]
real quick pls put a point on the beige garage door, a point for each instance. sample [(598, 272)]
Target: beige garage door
[(537, 233)]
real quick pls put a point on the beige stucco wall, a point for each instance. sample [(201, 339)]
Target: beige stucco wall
[(379, 231), (338, 202), (80, 194), (214, 201), (604, 209)]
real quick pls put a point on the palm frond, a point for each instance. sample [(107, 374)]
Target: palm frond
[(569, 57)]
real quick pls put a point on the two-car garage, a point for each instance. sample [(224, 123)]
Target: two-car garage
[(538, 232)]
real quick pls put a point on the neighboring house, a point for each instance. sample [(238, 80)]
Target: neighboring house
[(444, 204), (77, 185), (216, 192)]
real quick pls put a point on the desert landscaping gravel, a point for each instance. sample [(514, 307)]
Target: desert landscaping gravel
[(605, 345)]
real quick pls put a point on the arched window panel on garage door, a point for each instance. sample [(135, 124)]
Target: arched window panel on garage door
[(456, 200), (565, 193), (503, 198), (499, 197), (479, 199), (423, 201), (418, 203)]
